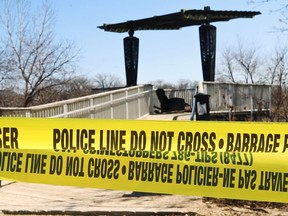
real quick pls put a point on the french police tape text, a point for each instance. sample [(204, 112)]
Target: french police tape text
[(236, 160)]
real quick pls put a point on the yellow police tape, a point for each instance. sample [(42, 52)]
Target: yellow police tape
[(215, 159)]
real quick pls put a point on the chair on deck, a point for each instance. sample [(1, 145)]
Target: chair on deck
[(170, 104)]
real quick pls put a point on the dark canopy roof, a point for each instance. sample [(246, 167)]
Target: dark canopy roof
[(178, 20)]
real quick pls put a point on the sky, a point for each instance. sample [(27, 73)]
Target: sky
[(168, 55)]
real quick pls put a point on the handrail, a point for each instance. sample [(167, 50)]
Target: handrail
[(138, 101), (101, 105)]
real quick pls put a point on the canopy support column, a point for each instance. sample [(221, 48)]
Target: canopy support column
[(131, 51), (207, 35)]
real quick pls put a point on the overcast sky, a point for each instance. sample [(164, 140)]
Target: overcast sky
[(164, 55)]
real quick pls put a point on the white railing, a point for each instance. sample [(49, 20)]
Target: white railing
[(138, 101), (186, 94), (240, 97), (236, 98), (125, 103)]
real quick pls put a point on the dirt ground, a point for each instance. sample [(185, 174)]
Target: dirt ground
[(227, 207), (208, 207)]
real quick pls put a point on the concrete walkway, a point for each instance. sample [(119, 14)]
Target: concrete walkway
[(34, 199)]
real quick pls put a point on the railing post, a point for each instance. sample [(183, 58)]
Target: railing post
[(152, 101), (65, 109), (111, 107), (126, 104), (28, 114), (91, 110)]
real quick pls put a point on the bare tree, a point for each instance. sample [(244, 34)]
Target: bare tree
[(277, 75), (245, 62), (75, 87), (186, 84), (227, 70), (5, 68), (276, 6), (277, 66), (103, 81), (162, 84), (9, 98), (38, 62), (240, 64), (248, 62)]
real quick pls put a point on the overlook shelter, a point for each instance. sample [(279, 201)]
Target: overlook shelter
[(175, 21)]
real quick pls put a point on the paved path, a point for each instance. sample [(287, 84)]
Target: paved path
[(18, 198), (25, 198)]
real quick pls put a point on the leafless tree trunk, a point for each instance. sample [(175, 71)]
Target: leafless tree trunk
[(227, 70), (247, 61), (277, 74), (39, 63), (241, 61), (277, 66), (5, 68)]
